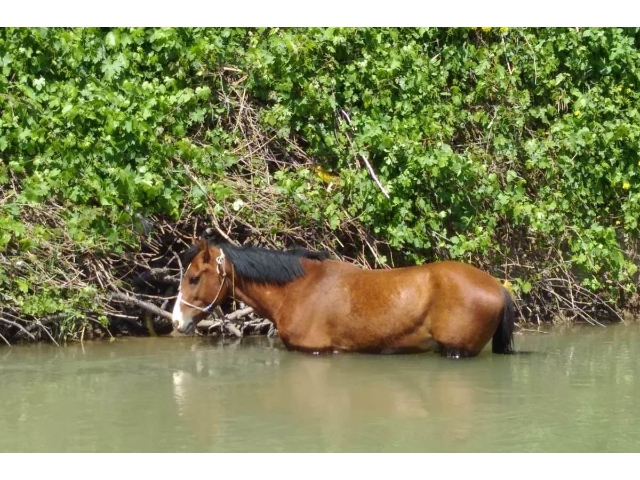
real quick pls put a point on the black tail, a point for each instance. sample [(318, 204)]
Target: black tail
[(503, 338)]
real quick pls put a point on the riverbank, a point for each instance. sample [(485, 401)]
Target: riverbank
[(107, 294)]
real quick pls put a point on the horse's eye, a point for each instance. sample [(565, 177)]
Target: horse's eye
[(194, 279)]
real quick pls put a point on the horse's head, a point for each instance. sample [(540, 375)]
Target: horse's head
[(203, 286)]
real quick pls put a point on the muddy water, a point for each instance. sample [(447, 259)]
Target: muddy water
[(576, 390)]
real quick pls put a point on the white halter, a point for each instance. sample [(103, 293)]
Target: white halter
[(220, 270)]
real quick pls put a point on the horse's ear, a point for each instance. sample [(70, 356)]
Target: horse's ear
[(204, 247)]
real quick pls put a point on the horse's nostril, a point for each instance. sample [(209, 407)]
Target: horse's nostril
[(175, 324)]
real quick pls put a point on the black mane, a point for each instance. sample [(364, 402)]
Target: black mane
[(263, 265)]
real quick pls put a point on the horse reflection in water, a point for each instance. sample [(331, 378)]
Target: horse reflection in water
[(321, 305), (325, 402), (338, 397)]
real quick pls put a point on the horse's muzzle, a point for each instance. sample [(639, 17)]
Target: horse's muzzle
[(187, 329)]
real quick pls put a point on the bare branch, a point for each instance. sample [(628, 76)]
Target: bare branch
[(17, 325), (150, 307)]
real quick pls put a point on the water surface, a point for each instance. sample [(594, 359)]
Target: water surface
[(576, 391)]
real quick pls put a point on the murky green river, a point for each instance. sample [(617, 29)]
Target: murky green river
[(577, 390)]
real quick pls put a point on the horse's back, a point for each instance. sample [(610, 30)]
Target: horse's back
[(462, 272)]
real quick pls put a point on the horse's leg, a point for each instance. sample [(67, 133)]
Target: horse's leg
[(464, 325), (461, 332), (306, 331), (450, 351)]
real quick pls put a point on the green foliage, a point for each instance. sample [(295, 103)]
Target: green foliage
[(96, 118), (472, 131), (492, 143)]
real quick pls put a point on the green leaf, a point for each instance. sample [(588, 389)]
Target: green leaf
[(203, 93), (38, 83), (110, 40)]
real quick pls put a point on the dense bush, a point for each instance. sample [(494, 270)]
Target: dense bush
[(515, 149)]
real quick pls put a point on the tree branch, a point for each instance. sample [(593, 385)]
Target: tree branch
[(150, 307)]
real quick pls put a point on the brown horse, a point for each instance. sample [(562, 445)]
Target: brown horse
[(324, 305)]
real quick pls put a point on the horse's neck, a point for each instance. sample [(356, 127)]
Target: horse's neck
[(268, 299), (265, 299)]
